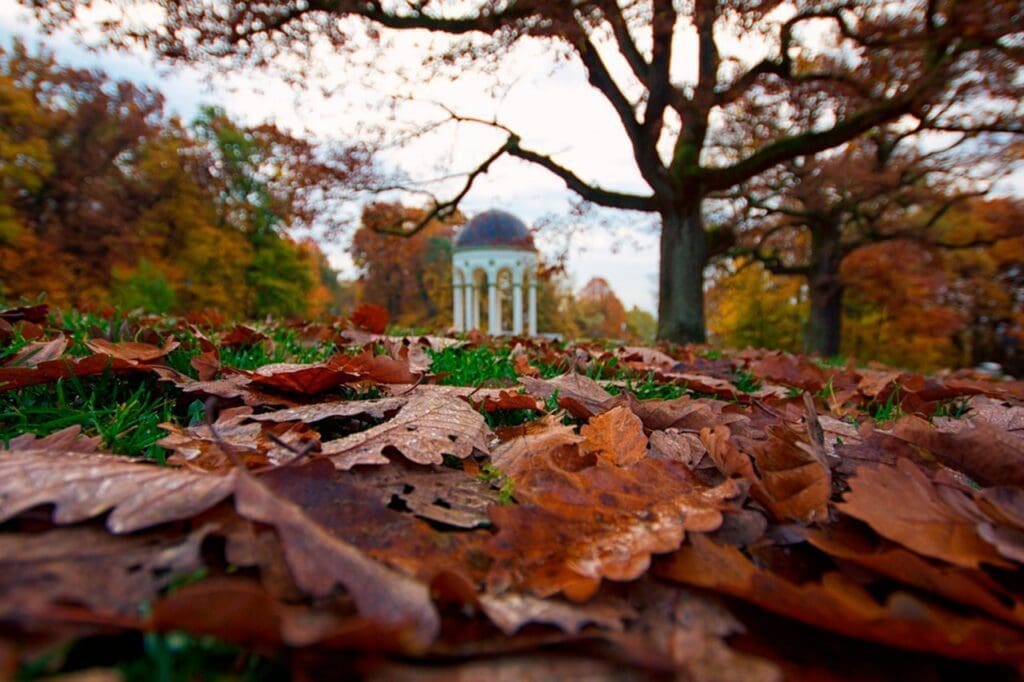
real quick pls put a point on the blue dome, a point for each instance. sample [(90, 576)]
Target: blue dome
[(495, 229)]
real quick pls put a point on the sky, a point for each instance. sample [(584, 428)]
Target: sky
[(541, 99)]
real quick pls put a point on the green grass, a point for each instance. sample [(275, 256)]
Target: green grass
[(887, 411), (745, 381), (954, 408), (478, 366), (506, 486), (124, 411), (646, 388), (286, 347)]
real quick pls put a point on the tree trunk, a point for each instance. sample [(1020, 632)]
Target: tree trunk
[(824, 329), (684, 253)]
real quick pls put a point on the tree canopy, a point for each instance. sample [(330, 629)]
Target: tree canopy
[(679, 76)]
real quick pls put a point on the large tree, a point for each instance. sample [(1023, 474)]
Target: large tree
[(675, 72), (805, 216)]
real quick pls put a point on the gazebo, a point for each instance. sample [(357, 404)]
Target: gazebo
[(494, 253)]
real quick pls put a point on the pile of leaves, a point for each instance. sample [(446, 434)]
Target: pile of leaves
[(327, 500)]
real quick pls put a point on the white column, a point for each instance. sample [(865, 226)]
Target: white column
[(533, 306), (470, 298), (476, 308), (493, 321), (517, 303), (457, 299)]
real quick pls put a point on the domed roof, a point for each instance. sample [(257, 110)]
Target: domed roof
[(495, 229)]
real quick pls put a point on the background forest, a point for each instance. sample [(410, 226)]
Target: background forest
[(107, 200)]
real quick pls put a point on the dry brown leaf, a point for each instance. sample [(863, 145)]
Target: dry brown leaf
[(231, 387), (241, 336), (319, 561), (988, 454), (958, 585), (36, 352), (300, 379), (84, 485), (47, 372), (681, 630), (507, 400), (679, 413), (130, 351), (791, 370), (91, 568), (901, 504), (837, 603), (681, 447), (789, 481), (439, 494), (376, 409), (428, 427), (254, 444), (582, 518), (68, 439), (511, 611), (581, 395), (616, 435), (380, 369)]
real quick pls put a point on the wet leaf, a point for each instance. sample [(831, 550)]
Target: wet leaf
[(901, 504), (320, 561), (84, 485), (423, 431)]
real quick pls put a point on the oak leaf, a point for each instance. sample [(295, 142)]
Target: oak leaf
[(616, 435), (84, 485), (320, 560), (425, 429), (835, 602), (900, 503), (583, 518), (511, 611), (131, 351)]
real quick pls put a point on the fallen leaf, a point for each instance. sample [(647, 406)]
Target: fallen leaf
[(130, 351), (901, 504), (788, 480), (88, 567), (319, 561), (370, 317), (50, 371), (616, 435), (241, 336), (581, 518), (986, 453), (507, 400), (36, 352), (423, 431), (581, 395), (300, 379), (835, 602), (84, 485), (959, 585), (382, 408), (681, 447), (511, 611), (67, 439), (438, 494)]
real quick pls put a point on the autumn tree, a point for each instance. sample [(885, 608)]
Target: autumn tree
[(103, 198), (410, 277), (863, 63), (599, 312), (805, 216), (749, 307)]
